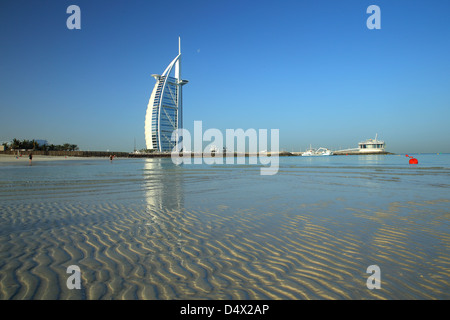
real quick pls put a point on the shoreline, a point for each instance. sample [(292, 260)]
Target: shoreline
[(6, 158), (10, 156)]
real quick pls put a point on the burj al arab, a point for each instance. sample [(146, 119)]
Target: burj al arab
[(165, 108)]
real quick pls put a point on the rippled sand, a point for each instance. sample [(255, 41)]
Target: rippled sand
[(142, 253), (143, 249)]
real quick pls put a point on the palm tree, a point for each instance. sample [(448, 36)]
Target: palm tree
[(15, 144)]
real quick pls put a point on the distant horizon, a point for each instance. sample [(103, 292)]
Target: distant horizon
[(312, 69), (281, 150)]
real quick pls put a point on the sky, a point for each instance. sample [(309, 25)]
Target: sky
[(310, 68)]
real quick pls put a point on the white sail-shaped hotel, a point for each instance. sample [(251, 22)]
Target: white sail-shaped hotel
[(165, 107)]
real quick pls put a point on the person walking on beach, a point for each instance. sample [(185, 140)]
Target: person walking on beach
[(30, 157)]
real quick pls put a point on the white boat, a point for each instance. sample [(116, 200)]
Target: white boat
[(325, 152), (317, 152), (371, 145), (213, 149)]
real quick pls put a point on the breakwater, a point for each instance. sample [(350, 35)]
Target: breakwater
[(352, 153), (204, 155), (122, 154)]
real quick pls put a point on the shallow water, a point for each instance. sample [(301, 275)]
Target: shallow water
[(148, 229)]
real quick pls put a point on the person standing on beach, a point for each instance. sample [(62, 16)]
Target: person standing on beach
[(30, 157)]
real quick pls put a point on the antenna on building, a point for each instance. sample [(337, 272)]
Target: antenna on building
[(179, 45)]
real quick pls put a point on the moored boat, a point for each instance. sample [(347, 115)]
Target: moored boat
[(317, 152)]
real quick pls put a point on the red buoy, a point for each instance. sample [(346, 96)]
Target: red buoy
[(412, 160)]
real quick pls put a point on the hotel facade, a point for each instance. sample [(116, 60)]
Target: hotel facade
[(165, 107)]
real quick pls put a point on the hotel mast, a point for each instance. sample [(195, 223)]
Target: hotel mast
[(165, 107)]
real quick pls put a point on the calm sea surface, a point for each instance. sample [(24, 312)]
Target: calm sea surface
[(148, 229)]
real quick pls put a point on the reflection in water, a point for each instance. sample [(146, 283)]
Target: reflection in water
[(163, 185), (371, 159)]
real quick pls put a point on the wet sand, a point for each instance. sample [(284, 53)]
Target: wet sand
[(136, 241), (149, 254)]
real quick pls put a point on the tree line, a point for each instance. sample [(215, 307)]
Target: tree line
[(34, 145)]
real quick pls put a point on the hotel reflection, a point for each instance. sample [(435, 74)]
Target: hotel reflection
[(163, 185)]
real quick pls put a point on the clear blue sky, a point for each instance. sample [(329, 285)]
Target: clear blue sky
[(310, 68)]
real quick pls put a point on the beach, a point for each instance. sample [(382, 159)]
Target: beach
[(149, 229), (12, 159)]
